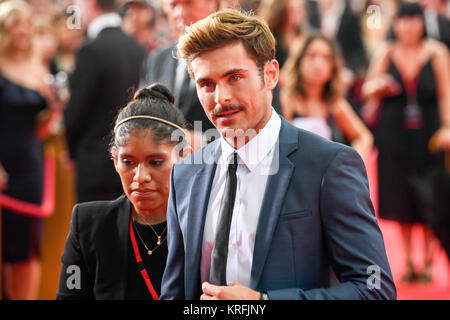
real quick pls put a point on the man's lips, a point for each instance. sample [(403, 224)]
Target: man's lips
[(226, 113)]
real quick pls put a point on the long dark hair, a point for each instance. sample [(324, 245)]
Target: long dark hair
[(333, 89)]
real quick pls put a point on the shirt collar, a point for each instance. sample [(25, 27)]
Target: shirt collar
[(102, 22), (253, 152)]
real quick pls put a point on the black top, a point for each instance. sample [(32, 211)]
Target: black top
[(154, 263), (20, 150), (98, 261)]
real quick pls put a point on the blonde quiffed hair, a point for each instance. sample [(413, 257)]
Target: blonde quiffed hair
[(224, 27)]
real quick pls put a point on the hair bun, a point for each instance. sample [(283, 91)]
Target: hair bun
[(156, 90)]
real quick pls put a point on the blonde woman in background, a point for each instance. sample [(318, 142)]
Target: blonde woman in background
[(313, 97), (26, 109)]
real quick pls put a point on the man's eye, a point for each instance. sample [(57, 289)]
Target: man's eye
[(206, 84), (235, 78)]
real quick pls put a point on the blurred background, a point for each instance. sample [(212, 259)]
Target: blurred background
[(365, 42)]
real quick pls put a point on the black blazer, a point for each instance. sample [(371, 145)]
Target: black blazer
[(98, 245), (106, 69), (348, 35), (444, 30)]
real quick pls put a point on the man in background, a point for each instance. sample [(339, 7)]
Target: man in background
[(161, 66), (106, 71), (139, 21)]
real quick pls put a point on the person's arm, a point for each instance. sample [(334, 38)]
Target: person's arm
[(378, 83), (441, 64), (352, 237), (172, 285), (83, 90), (75, 282), (353, 128), (3, 178)]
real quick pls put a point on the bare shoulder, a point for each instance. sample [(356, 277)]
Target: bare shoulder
[(340, 106), (384, 50), (436, 48)]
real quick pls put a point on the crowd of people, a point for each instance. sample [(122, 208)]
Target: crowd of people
[(116, 80)]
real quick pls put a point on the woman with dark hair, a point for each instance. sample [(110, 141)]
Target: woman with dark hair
[(313, 97), (117, 249), (407, 94)]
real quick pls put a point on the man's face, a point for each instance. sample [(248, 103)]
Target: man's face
[(232, 90), (185, 12)]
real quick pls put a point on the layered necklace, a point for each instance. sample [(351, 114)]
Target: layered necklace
[(159, 238)]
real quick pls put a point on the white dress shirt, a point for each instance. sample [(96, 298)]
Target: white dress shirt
[(254, 167), (108, 20)]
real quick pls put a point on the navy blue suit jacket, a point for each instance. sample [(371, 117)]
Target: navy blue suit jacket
[(317, 235)]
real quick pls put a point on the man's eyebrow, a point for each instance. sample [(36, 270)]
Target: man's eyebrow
[(229, 72), (232, 71)]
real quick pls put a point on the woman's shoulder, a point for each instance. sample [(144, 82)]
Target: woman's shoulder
[(97, 210), (436, 48)]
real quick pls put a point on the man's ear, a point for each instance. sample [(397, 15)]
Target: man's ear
[(271, 74), (114, 156)]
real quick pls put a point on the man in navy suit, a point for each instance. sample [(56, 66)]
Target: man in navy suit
[(302, 224)]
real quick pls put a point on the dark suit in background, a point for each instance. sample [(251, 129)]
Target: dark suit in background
[(106, 72), (348, 35)]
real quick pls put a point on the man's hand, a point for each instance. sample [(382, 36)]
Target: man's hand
[(234, 291)]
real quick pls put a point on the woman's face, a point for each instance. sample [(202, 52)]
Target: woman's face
[(20, 32), (144, 169), (46, 43), (296, 13), (316, 67), (409, 29)]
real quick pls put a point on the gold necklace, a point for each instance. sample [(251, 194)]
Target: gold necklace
[(158, 242)]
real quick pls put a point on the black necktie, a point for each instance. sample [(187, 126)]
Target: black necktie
[(218, 270)]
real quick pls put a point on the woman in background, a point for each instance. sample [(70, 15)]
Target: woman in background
[(27, 107), (287, 20), (119, 247), (313, 95), (407, 95)]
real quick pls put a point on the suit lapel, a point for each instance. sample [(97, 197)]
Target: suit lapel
[(274, 195), (121, 268), (198, 207)]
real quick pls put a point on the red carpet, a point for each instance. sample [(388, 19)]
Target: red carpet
[(439, 288)]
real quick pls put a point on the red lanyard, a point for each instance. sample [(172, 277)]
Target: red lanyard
[(140, 264)]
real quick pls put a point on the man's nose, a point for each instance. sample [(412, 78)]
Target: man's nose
[(222, 94)]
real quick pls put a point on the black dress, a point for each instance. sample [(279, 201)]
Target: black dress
[(21, 155), (407, 122)]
